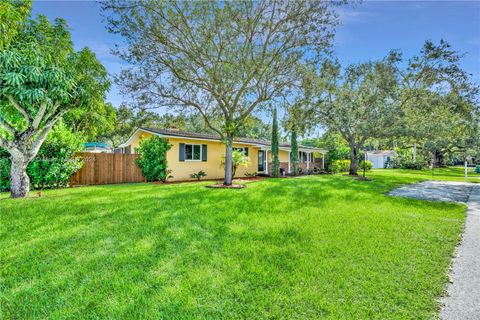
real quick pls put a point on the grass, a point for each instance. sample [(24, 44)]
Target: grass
[(447, 174), (305, 248)]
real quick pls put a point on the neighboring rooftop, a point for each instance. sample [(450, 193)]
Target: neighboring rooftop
[(382, 152)]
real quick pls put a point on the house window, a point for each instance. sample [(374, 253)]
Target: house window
[(193, 152), (242, 150)]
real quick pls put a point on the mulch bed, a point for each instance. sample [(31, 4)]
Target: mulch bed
[(222, 186), (218, 184)]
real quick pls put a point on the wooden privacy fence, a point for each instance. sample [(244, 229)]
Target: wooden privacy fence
[(106, 168)]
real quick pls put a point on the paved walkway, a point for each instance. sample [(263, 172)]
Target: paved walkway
[(436, 191), (463, 299)]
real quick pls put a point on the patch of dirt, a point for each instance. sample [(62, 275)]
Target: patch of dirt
[(363, 179)]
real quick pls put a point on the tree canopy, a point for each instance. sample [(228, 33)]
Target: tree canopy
[(223, 59), (427, 98), (41, 79)]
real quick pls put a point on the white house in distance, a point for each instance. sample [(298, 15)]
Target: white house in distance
[(380, 158)]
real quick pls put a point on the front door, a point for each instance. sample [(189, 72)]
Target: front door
[(261, 160)]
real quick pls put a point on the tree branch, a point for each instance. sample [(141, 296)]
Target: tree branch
[(39, 116), (22, 111), (37, 143), (8, 127)]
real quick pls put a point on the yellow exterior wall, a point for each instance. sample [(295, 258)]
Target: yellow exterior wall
[(181, 170), (282, 155)]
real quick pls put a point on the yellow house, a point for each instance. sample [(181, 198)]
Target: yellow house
[(193, 152)]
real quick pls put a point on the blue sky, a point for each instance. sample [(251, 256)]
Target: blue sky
[(368, 30)]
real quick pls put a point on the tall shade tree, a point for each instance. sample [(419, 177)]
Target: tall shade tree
[(359, 103), (275, 134), (437, 99), (41, 79), (398, 98), (225, 59)]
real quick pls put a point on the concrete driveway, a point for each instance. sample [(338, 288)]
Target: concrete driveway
[(463, 299)]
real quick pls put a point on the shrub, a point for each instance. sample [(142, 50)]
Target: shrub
[(251, 175), (153, 159), (400, 162), (477, 169), (199, 175), (340, 166), (54, 163), (165, 176), (367, 165), (238, 159)]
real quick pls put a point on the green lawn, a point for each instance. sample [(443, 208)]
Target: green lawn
[(304, 248), (448, 174)]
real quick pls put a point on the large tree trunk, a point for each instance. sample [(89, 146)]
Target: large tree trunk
[(353, 160), (228, 161), (19, 180), (438, 158)]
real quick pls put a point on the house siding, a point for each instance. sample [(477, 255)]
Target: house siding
[(181, 170)]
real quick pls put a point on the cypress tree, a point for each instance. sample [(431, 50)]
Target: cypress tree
[(294, 152), (275, 160)]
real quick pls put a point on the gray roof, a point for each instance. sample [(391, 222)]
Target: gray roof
[(216, 137), (382, 152)]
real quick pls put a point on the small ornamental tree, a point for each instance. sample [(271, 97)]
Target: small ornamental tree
[(153, 158), (275, 160), (294, 153), (238, 159)]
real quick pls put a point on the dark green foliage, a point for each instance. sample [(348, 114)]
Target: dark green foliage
[(199, 175), (153, 159), (405, 162), (334, 143), (275, 160), (54, 163), (294, 153), (4, 170)]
